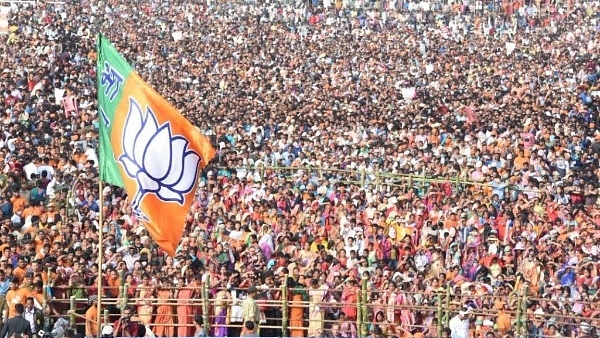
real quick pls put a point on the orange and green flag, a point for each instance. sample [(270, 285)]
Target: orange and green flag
[(147, 147)]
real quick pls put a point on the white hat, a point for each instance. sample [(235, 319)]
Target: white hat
[(107, 330)]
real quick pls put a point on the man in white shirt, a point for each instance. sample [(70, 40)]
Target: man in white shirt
[(31, 168), (131, 257), (459, 325), (90, 154), (236, 313), (33, 315), (351, 245), (352, 260), (45, 166)]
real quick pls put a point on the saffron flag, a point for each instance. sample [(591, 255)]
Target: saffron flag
[(147, 147)]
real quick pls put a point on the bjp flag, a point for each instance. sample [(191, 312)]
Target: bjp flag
[(147, 147)]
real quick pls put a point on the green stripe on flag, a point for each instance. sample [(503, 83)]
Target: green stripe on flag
[(112, 72)]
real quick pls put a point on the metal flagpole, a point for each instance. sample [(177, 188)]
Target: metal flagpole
[(100, 253)]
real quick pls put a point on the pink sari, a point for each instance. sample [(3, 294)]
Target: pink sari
[(406, 317)]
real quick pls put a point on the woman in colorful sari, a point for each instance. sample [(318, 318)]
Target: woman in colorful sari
[(131, 284), (145, 297), (403, 313), (186, 309), (299, 297), (470, 263), (382, 323), (305, 257), (163, 323), (390, 298), (315, 312), (266, 242), (222, 301)]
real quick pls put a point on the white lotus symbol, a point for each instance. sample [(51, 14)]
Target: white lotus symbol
[(160, 162)]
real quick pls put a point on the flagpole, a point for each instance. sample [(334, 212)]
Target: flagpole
[(100, 253), (100, 224)]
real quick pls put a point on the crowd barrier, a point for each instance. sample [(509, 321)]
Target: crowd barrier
[(443, 305), (377, 180)]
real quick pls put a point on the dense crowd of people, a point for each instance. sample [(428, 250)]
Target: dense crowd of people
[(426, 149)]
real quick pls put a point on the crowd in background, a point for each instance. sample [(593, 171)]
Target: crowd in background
[(494, 104)]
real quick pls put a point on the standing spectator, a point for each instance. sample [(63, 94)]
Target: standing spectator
[(250, 309), (164, 321), (185, 310), (459, 324), (33, 315), (16, 325), (15, 296), (222, 300), (199, 327), (4, 288), (91, 318)]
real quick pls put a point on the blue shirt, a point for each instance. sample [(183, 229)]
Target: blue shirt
[(4, 286), (568, 278)]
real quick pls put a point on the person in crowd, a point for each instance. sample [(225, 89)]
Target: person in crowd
[(125, 326), (91, 318), (17, 325), (250, 309), (249, 329), (33, 315), (199, 324)]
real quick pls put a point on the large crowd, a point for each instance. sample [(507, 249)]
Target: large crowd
[(465, 134)]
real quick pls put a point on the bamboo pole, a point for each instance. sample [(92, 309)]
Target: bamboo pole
[(519, 315), (364, 331), (284, 310), (100, 253), (447, 317), (205, 306), (440, 315), (120, 299), (124, 299), (524, 304), (72, 312), (359, 313)]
